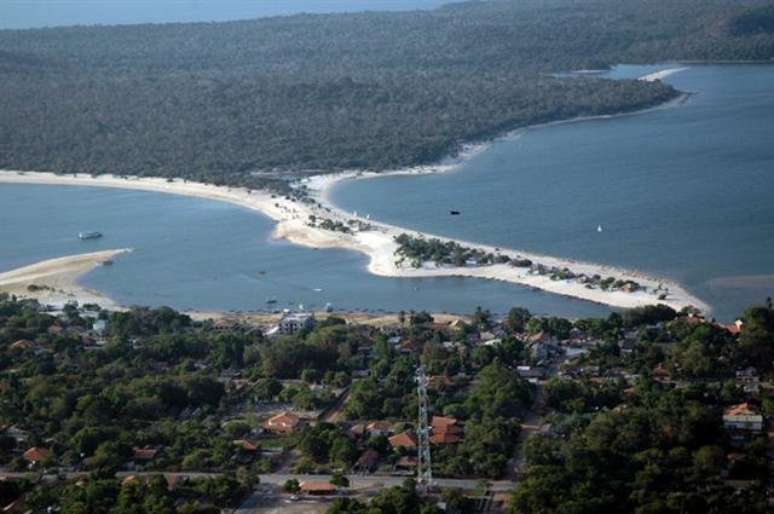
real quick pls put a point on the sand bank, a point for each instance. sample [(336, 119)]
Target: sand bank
[(55, 281), (661, 75)]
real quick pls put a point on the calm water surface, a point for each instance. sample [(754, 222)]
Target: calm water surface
[(23, 14), (197, 254), (685, 192)]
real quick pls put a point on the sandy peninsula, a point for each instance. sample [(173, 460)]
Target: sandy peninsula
[(55, 281), (377, 242)]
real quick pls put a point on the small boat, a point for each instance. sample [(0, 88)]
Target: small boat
[(317, 290), (599, 228), (107, 263), (83, 236), (329, 307), (271, 301), (455, 213)]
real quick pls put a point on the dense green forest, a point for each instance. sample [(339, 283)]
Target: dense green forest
[(224, 101)]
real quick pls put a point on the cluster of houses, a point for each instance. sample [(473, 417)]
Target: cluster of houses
[(445, 430)]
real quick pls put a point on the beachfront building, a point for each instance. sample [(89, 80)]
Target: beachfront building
[(295, 322)]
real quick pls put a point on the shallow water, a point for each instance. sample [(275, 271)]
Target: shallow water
[(685, 192), (192, 253)]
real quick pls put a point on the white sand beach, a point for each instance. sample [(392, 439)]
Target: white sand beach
[(55, 281), (661, 75)]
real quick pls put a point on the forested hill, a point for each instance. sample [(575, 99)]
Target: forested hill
[(218, 101)]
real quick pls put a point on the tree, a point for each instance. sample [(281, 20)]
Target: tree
[(291, 486), (517, 319), (339, 480)]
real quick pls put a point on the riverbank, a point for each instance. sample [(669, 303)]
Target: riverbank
[(55, 281)]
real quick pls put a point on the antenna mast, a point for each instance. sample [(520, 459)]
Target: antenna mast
[(424, 465)]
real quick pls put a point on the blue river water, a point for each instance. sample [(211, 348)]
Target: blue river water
[(24, 14), (685, 192), (198, 254)]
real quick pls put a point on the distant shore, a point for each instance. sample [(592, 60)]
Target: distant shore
[(295, 223), (55, 281)]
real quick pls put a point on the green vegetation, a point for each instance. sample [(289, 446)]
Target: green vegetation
[(419, 250), (218, 102), (634, 424)]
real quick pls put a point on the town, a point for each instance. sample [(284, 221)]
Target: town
[(646, 410)]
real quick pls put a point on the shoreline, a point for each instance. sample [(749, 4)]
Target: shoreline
[(55, 281), (378, 243), (293, 223)]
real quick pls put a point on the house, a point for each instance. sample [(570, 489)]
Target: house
[(531, 373), (403, 440), (18, 435), (394, 340), (445, 430), (743, 417), (749, 380), (378, 428), (406, 462), (36, 454), (542, 346), (283, 423), (486, 335), (21, 345), (295, 322), (368, 461), (144, 454), (247, 445), (317, 487), (660, 372), (735, 328)]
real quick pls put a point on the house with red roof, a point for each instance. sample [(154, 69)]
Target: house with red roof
[(36, 454), (404, 440), (283, 423), (445, 430)]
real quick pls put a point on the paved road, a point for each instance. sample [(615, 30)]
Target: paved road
[(356, 481), (367, 481)]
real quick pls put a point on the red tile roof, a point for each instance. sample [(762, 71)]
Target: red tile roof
[(284, 422), (144, 453), (443, 423), (247, 445), (318, 487), (403, 440), (22, 344), (445, 438), (743, 409), (37, 454)]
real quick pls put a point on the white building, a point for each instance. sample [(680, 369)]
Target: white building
[(295, 322)]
